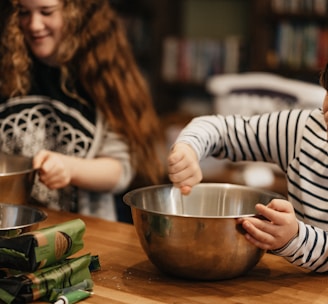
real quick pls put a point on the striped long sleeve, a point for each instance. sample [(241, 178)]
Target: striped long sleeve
[(295, 140)]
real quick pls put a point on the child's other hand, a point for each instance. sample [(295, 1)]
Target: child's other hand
[(275, 232), (183, 168)]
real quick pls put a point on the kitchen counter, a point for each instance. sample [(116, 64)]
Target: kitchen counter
[(127, 276)]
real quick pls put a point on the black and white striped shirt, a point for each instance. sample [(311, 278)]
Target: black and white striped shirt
[(295, 140)]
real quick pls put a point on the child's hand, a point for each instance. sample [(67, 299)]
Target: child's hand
[(54, 169), (183, 167), (275, 232)]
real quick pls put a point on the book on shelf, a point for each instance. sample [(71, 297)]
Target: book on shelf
[(194, 60), (317, 7), (301, 45)]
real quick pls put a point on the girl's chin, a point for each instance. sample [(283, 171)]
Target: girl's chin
[(40, 53), (44, 57)]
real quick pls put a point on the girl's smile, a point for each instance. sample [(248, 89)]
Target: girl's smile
[(42, 23)]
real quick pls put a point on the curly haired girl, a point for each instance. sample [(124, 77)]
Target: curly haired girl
[(72, 97)]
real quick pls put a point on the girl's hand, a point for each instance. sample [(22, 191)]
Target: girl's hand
[(54, 169), (274, 233), (183, 167)]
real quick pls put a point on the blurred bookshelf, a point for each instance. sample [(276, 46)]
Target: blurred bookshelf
[(290, 37), (176, 63), (178, 44)]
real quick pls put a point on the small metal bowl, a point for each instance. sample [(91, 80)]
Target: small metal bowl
[(16, 178), (196, 236), (18, 219)]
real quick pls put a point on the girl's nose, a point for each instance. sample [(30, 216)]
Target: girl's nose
[(36, 22)]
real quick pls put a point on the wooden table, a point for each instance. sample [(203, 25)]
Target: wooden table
[(127, 276)]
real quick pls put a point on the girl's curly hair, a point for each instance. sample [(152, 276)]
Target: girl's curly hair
[(14, 59), (95, 52)]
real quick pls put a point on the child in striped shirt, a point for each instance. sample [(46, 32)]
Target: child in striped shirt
[(295, 140)]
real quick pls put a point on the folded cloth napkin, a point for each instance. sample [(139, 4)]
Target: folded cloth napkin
[(28, 287), (41, 248)]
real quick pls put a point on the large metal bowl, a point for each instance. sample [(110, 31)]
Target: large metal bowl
[(16, 178), (18, 219), (196, 236)]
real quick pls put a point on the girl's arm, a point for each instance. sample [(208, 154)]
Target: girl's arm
[(57, 171)]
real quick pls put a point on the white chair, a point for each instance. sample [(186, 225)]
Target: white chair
[(257, 92)]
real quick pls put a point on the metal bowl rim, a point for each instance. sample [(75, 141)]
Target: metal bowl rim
[(21, 172), (220, 185), (194, 216), (43, 216)]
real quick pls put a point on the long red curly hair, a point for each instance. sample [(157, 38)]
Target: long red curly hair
[(95, 52)]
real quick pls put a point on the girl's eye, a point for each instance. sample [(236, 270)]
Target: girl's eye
[(46, 12)]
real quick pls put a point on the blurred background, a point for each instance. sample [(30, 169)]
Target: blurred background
[(180, 43), (187, 48)]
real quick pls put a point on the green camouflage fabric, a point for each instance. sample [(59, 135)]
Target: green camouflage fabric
[(28, 287), (41, 248)]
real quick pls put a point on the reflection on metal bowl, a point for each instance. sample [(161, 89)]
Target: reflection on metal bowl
[(196, 236), (16, 178), (18, 219)]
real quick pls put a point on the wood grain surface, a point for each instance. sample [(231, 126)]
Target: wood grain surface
[(127, 276)]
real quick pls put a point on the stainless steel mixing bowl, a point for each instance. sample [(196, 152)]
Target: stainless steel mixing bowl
[(16, 178), (196, 236), (17, 219)]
